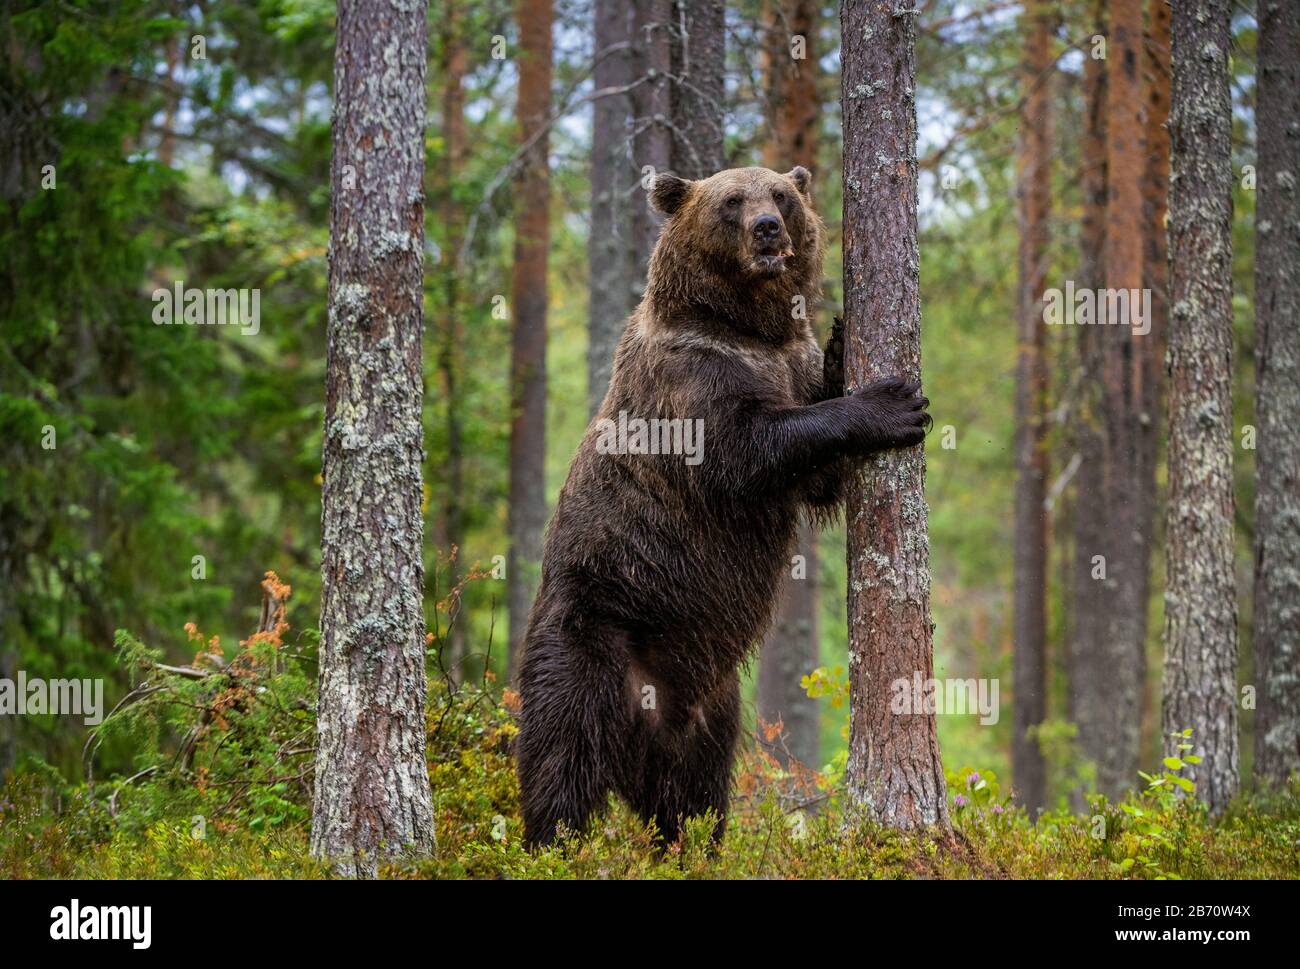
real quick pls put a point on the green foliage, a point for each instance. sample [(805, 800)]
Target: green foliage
[(1153, 833), (217, 820)]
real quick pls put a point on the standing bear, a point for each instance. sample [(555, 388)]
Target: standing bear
[(663, 560)]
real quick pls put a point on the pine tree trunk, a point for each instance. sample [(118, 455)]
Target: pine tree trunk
[(791, 649), (1277, 388), (678, 105), (1155, 277), (1126, 489), (1200, 669), (450, 362), (652, 138), (790, 653), (793, 103), (372, 794), (1088, 704), (612, 288), (528, 292), (1030, 619), (894, 774), (699, 48), (1156, 201)]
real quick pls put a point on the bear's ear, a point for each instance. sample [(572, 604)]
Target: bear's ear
[(801, 177), (668, 192)]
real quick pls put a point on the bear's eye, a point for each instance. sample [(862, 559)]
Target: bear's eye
[(779, 196), (733, 202)]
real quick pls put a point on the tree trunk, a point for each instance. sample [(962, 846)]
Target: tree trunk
[(167, 137), (612, 289), (1030, 618), (678, 62), (1126, 492), (791, 649), (894, 773), (9, 725), (1200, 669), (528, 293), (1277, 388), (652, 137), (1088, 706), (699, 48), (1155, 277), (372, 794), (793, 104), (789, 653), (454, 66), (1156, 202)]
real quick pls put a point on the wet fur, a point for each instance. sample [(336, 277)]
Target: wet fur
[(663, 575)]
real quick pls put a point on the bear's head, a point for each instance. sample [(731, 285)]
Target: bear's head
[(742, 244)]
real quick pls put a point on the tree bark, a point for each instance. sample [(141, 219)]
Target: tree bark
[(789, 653), (612, 290), (1156, 198), (1125, 495), (678, 63), (793, 104), (699, 48), (1277, 388), (894, 774), (652, 136), (791, 649), (372, 796), (1030, 593), (528, 293), (1155, 277), (454, 66), (1200, 668), (1088, 706)]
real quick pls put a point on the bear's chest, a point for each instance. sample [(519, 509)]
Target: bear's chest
[(792, 372)]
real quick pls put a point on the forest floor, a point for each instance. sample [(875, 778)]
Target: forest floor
[(247, 817)]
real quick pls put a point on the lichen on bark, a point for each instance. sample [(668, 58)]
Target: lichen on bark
[(1200, 662), (894, 773), (372, 798)]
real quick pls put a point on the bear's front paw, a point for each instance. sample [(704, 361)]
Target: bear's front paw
[(895, 412)]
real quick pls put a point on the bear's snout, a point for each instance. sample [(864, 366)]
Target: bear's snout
[(766, 229), (769, 244)]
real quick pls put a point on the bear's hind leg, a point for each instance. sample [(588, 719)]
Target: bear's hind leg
[(688, 771), (572, 714)]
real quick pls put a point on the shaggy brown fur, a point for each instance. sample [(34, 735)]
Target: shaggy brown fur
[(659, 576)]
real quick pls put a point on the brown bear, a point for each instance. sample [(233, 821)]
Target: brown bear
[(666, 551)]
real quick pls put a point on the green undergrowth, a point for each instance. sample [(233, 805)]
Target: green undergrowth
[(222, 783)]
